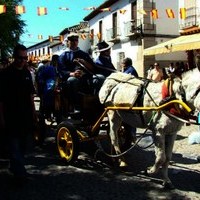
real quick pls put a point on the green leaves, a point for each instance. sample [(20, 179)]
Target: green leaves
[(11, 27)]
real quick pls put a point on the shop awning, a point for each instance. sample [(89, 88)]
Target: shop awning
[(182, 43)]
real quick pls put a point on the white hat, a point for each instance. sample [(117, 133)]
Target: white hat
[(72, 35)]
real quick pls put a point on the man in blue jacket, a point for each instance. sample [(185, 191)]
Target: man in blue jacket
[(76, 70), (128, 68)]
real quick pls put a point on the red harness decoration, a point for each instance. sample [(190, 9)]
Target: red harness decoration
[(167, 91)]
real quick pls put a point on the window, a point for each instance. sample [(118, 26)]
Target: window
[(134, 11), (100, 31), (92, 36), (114, 25)]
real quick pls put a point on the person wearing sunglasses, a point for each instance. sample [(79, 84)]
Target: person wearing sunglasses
[(75, 68), (156, 74), (16, 97)]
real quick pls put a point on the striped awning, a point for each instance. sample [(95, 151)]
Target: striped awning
[(182, 43)]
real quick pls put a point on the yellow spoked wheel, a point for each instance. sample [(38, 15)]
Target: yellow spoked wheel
[(67, 142)]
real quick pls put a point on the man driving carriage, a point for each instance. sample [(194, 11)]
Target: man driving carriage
[(76, 69)]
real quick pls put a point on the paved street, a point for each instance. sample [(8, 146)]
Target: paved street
[(91, 178)]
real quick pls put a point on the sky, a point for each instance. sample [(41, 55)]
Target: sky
[(56, 20)]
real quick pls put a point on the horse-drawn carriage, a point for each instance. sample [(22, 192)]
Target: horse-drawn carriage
[(138, 103)]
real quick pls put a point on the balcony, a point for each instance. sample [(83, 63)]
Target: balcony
[(192, 19), (113, 34), (132, 28)]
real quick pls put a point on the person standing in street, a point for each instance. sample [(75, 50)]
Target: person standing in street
[(156, 74), (16, 97)]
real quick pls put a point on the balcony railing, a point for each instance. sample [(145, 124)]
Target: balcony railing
[(132, 27), (113, 34), (192, 19)]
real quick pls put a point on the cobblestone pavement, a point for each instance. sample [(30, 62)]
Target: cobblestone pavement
[(89, 178)]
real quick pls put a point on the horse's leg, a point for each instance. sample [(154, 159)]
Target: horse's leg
[(169, 143), (115, 123), (159, 153)]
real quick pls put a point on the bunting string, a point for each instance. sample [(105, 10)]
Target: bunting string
[(154, 14), (20, 9)]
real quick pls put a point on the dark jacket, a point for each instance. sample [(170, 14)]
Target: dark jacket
[(66, 64), (103, 63), (131, 70)]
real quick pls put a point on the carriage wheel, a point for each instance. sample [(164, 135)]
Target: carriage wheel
[(67, 142)]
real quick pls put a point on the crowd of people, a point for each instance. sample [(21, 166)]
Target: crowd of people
[(70, 73)]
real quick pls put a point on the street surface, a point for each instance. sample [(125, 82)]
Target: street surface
[(94, 177)]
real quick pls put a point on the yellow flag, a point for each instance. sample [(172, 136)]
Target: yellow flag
[(182, 13), (122, 11), (41, 11), (105, 9), (154, 14), (170, 13), (2, 9), (20, 9), (143, 12), (40, 37)]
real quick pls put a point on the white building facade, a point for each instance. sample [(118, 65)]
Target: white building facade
[(133, 30)]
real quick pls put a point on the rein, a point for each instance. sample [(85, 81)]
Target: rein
[(100, 148), (180, 119)]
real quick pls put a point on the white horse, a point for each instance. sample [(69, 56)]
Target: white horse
[(123, 89)]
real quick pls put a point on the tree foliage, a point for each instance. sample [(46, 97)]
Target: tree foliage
[(11, 27)]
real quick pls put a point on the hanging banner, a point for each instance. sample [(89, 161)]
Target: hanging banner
[(122, 11), (105, 9), (170, 13), (63, 8), (90, 8), (143, 12), (99, 36), (20, 10), (41, 11), (183, 13), (50, 38), (40, 37), (2, 9), (154, 14), (83, 36)]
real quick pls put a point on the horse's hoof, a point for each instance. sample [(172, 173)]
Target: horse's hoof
[(145, 173), (123, 164), (168, 186), (150, 172)]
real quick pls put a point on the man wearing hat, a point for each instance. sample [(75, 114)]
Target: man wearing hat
[(104, 61), (75, 68), (104, 66)]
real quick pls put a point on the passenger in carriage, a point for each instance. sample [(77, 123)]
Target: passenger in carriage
[(104, 60), (76, 69), (128, 68), (104, 65)]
